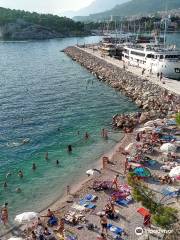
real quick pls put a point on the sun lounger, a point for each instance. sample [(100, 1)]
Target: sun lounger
[(167, 138), (115, 229), (78, 207), (70, 236), (171, 123), (151, 162), (171, 192), (122, 202)]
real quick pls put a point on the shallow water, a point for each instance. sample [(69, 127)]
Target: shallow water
[(47, 98)]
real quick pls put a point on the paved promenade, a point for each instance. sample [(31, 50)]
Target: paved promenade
[(169, 84)]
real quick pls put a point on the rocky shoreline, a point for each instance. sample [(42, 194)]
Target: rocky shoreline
[(153, 100)]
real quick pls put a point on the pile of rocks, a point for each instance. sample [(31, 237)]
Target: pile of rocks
[(154, 100)]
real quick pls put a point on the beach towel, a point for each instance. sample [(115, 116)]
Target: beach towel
[(115, 229), (119, 195), (171, 192), (90, 197), (122, 202), (89, 205), (171, 122)]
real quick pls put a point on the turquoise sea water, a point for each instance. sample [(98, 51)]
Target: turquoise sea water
[(50, 92), (48, 98)]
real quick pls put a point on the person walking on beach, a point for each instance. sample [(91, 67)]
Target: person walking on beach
[(115, 182), (161, 77), (143, 71), (103, 222), (4, 214)]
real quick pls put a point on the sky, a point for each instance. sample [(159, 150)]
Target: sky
[(45, 6)]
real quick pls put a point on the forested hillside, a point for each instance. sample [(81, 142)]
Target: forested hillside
[(16, 24)]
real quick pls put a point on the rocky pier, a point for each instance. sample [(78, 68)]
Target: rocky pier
[(153, 100)]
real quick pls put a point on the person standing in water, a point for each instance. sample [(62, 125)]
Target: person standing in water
[(47, 156), (57, 162), (86, 136), (33, 166), (69, 148), (5, 185), (4, 214), (68, 190)]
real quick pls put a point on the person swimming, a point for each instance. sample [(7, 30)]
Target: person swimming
[(18, 190), (34, 166), (20, 174), (8, 175)]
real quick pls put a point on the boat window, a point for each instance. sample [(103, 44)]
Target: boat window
[(126, 51), (172, 56), (138, 53), (161, 57), (150, 56)]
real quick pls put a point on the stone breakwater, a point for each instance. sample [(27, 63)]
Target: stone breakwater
[(154, 100)]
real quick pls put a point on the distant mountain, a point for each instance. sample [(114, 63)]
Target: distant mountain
[(95, 7), (133, 7)]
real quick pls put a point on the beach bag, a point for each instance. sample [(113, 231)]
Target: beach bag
[(90, 226)]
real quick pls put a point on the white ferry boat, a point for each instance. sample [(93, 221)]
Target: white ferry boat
[(154, 58)]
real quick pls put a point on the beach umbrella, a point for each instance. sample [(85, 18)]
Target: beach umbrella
[(26, 217), (168, 147), (90, 172), (130, 147), (149, 123), (15, 238), (142, 172), (145, 129), (143, 211), (175, 172), (159, 121)]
